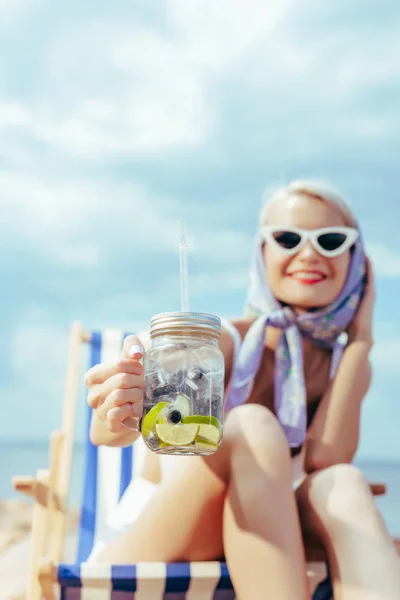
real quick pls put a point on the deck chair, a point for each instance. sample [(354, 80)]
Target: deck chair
[(108, 472)]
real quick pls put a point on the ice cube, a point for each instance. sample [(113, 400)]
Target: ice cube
[(189, 388), (174, 358), (164, 390), (196, 373), (155, 379), (175, 378)]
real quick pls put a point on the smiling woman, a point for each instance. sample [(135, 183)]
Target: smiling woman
[(292, 402)]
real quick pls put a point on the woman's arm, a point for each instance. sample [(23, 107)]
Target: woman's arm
[(334, 433)]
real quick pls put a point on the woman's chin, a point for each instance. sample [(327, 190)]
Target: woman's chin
[(308, 299)]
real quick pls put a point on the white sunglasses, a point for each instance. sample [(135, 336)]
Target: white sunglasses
[(328, 241)]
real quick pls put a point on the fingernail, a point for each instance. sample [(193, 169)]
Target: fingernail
[(135, 349)]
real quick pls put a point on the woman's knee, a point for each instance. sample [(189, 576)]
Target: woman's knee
[(340, 491), (255, 427)]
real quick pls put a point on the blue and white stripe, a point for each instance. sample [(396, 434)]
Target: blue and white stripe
[(155, 581)]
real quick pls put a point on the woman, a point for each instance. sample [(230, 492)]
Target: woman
[(293, 398)]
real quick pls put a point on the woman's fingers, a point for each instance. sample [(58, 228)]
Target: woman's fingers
[(115, 390), (118, 398), (100, 373), (121, 418), (131, 353), (120, 381)]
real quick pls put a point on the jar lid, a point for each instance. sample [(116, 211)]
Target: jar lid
[(181, 322)]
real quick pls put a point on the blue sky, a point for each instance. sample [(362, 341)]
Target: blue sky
[(117, 121)]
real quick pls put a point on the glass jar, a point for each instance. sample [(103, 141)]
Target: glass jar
[(183, 385)]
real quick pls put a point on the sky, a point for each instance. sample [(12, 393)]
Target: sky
[(118, 120)]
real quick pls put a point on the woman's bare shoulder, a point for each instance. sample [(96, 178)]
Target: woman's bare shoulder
[(227, 342), (242, 324)]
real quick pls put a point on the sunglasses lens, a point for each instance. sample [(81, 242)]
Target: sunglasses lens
[(287, 239), (331, 241)]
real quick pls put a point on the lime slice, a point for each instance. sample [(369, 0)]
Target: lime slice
[(181, 403), (177, 435), (203, 419), (210, 428), (202, 444), (157, 413)]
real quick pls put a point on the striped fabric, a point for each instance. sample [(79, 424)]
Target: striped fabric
[(155, 581), (108, 472)]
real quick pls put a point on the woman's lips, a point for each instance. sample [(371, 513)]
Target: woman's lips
[(308, 277)]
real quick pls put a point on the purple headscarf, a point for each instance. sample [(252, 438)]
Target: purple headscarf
[(323, 327)]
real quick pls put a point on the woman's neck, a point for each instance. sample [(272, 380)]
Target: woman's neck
[(272, 335)]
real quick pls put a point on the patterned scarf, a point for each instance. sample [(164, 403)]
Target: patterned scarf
[(323, 327)]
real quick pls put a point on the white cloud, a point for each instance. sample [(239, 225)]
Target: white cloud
[(385, 260), (14, 114), (81, 255), (149, 101), (38, 356), (222, 245), (74, 221), (143, 91), (385, 356), (216, 36), (226, 280), (11, 10)]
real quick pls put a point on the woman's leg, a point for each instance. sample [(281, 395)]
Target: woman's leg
[(238, 501), (336, 506)]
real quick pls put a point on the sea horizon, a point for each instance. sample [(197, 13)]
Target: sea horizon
[(22, 456)]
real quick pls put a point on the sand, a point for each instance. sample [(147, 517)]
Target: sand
[(15, 546)]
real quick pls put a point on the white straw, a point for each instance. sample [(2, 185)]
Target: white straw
[(183, 264)]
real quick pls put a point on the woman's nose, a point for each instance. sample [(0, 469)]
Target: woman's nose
[(308, 252)]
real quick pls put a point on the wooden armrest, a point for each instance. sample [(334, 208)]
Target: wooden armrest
[(30, 486), (26, 484)]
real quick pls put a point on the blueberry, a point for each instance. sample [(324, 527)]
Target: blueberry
[(174, 416)]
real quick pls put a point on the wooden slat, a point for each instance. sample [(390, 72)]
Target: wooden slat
[(47, 575), (39, 534), (57, 503), (86, 336)]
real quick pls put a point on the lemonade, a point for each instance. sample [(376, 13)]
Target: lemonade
[(184, 387)]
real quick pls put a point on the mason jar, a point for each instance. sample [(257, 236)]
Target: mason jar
[(183, 385)]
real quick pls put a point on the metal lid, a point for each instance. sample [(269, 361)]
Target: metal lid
[(181, 322)]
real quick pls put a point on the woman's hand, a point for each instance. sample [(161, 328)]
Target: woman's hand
[(361, 326), (116, 389)]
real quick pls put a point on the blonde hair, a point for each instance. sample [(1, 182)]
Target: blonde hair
[(313, 189)]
